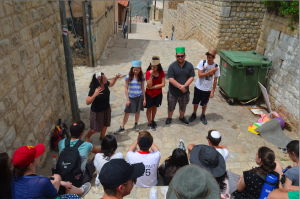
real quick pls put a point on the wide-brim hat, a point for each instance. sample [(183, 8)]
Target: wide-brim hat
[(193, 182), (155, 60), (211, 52), (209, 158)]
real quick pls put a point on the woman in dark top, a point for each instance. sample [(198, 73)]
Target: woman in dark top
[(251, 183), (5, 175), (171, 165), (100, 115)]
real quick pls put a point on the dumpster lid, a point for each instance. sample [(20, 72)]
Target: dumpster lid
[(245, 57)]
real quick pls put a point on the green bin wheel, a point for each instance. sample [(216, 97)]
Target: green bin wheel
[(231, 101)]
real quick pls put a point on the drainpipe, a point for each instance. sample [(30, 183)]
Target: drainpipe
[(93, 39), (88, 33)]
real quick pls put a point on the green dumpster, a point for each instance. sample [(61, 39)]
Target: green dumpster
[(240, 72)]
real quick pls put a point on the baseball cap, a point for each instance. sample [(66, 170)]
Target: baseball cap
[(145, 142), (209, 158), (118, 171), (193, 182), (25, 155)]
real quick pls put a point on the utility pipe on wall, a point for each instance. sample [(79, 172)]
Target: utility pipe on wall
[(88, 33), (93, 39)]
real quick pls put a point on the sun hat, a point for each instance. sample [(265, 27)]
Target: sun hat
[(137, 64), (155, 60), (25, 155), (211, 52), (193, 182), (180, 50), (118, 171), (209, 158)]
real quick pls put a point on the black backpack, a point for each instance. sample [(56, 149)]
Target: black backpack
[(69, 164)]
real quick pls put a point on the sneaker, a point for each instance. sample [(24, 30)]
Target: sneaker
[(100, 138), (154, 124), (181, 145), (184, 120), (202, 118), (135, 127), (164, 191), (152, 127), (119, 130), (168, 121), (86, 187), (193, 117), (153, 193)]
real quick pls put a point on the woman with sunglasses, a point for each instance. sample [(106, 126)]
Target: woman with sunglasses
[(100, 115), (155, 77)]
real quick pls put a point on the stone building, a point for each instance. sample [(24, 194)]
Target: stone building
[(224, 25), (281, 46), (104, 18), (33, 85)]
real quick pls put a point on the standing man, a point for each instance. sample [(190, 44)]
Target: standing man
[(203, 87), (181, 74)]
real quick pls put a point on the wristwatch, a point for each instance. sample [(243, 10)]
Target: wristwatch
[(185, 87), (155, 86)]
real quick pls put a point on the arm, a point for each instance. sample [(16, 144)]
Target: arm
[(126, 93), (241, 184), (144, 93), (68, 185), (56, 181), (288, 183), (96, 150), (222, 146), (133, 147), (189, 81), (114, 80), (163, 83), (149, 81), (174, 82), (90, 99), (214, 87), (154, 148)]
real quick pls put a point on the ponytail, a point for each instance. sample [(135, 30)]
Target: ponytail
[(267, 157), (18, 172)]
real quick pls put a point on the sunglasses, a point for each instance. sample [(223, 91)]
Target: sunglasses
[(153, 66), (180, 56)]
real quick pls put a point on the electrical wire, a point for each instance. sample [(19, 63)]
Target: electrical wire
[(74, 27)]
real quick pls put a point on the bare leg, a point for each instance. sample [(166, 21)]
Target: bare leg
[(154, 110), (75, 190), (89, 134), (148, 114), (203, 109), (125, 119), (181, 113), (137, 117), (103, 131), (190, 147), (195, 108), (170, 114)]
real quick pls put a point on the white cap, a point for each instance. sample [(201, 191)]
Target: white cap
[(98, 76), (215, 134)]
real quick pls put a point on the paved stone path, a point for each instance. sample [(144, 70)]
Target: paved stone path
[(231, 121)]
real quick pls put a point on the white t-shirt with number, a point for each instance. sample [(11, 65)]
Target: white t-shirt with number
[(151, 162), (205, 83)]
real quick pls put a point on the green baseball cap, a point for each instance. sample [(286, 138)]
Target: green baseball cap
[(180, 50), (193, 182)]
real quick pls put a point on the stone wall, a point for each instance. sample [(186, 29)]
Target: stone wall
[(222, 25), (281, 46), (33, 85), (158, 13)]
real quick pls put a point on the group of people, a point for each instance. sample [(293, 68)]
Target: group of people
[(180, 74)]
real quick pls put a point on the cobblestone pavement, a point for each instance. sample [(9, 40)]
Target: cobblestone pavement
[(231, 121)]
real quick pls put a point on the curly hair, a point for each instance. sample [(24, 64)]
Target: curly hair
[(131, 74), (268, 161), (159, 68), (220, 181)]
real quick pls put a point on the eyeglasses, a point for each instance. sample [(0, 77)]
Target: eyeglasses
[(153, 66), (180, 56)]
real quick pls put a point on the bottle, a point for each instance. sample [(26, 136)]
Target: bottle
[(54, 162), (268, 186), (284, 170)]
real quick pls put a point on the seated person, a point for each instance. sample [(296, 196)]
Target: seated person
[(251, 183), (292, 175), (186, 184), (149, 159), (283, 193), (118, 177), (210, 159), (214, 139), (26, 184), (108, 152), (77, 131), (173, 163), (5, 175)]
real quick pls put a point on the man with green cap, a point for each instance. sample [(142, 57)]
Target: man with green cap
[(181, 74)]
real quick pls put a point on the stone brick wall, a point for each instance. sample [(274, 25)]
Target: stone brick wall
[(222, 25), (281, 46), (33, 85), (158, 13)]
